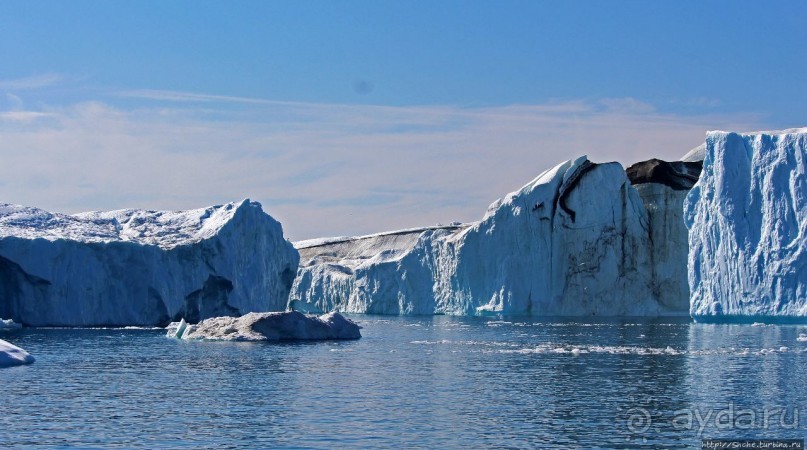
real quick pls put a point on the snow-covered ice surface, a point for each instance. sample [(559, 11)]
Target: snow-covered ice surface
[(273, 326), (133, 267), (166, 229), (696, 154), (747, 220), (577, 240), (11, 355), (318, 242)]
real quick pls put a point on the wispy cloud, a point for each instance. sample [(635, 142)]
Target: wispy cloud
[(179, 96), (22, 116), (322, 169), (627, 105), (32, 82)]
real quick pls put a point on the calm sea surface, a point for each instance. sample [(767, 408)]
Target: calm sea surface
[(429, 382)]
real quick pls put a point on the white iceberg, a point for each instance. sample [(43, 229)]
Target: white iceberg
[(8, 324), (176, 329), (272, 326), (133, 267), (747, 219), (11, 355), (577, 240)]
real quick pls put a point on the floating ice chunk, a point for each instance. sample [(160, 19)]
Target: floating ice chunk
[(340, 326), (176, 329), (8, 324), (11, 355), (802, 338), (276, 326)]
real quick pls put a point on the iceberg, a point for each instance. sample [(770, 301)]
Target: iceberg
[(176, 329), (11, 355), (695, 155), (663, 187), (747, 219), (135, 267), (8, 324), (272, 326), (576, 241)]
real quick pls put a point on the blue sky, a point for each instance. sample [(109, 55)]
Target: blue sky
[(352, 117)]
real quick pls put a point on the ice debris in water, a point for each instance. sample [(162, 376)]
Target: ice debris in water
[(8, 324), (272, 326), (11, 355), (176, 329)]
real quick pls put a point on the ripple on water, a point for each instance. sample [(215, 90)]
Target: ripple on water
[(409, 382)]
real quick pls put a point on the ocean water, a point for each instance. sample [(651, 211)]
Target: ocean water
[(414, 382)]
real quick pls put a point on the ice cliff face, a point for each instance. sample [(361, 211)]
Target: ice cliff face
[(747, 220), (387, 273), (574, 241), (133, 267), (663, 187)]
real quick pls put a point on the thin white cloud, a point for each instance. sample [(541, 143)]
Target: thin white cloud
[(179, 96), (22, 116), (323, 169), (697, 102), (627, 105), (32, 82)]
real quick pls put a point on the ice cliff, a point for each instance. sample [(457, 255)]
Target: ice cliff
[(134, 267), (747, 219), (577, 240), (663, 187)]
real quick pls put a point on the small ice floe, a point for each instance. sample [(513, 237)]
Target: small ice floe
[(802, 338), (272, 326), (11, 355), (176, 329), (549, 348), (8, 324)]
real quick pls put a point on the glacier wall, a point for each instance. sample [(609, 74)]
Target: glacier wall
[(387, 273), (575, 241), (133, 267), (747, 220), (663, 187)]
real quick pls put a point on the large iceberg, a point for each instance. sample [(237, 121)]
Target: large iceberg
[(272, 326), (134, 267), (747, 219), (577, 240), (11, 355)]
